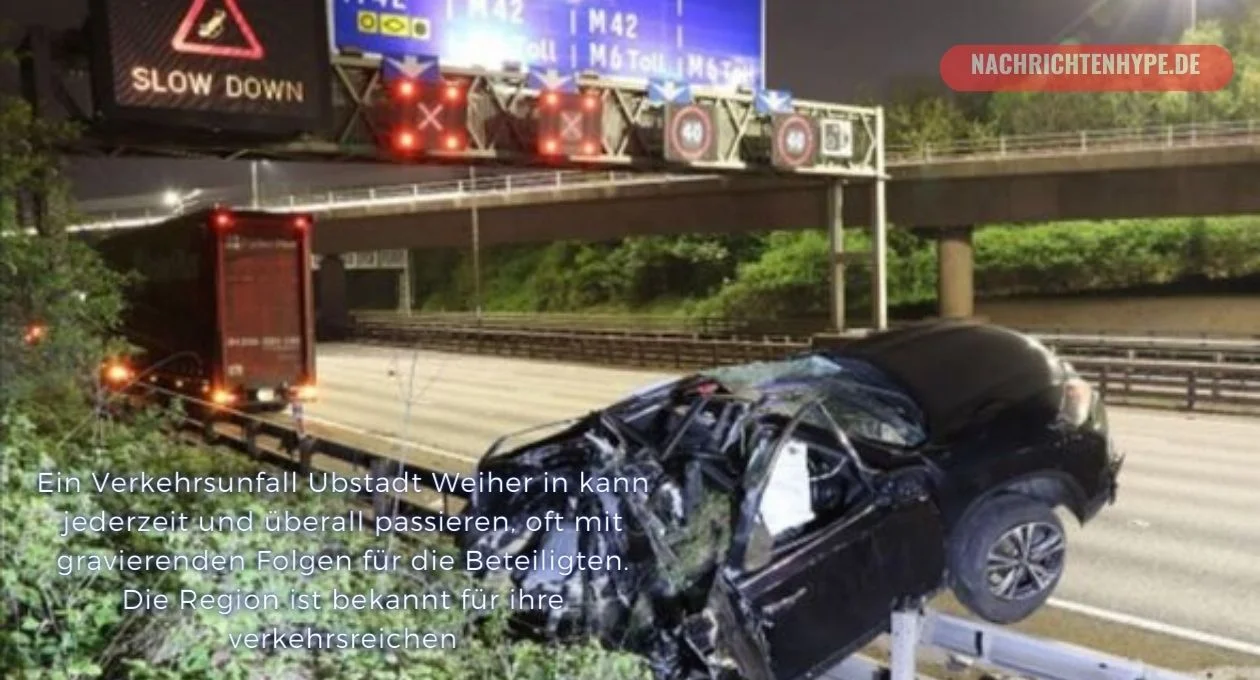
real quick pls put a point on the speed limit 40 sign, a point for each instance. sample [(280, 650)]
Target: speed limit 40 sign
[(794, 141), (690, 135)]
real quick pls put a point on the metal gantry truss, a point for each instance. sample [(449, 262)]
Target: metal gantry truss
[(503, 110), (501, 126)]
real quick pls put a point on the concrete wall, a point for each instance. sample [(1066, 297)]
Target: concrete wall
[(1206, 314)]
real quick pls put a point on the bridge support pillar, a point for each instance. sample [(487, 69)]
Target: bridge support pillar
[(834, 197), (879, 231), (404, 286), (334, 302), (955, 282)]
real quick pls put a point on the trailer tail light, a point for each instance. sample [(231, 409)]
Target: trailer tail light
[(222, 220), (222, 397), (301, 222), (117, 373), (305, 393)]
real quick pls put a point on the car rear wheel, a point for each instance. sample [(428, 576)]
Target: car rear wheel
[(1007, 558)]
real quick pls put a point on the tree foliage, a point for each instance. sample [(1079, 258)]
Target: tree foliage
[(785, 274), (52, 282), (920, 118)]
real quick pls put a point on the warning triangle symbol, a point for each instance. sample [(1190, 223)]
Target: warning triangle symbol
[(205, 26)]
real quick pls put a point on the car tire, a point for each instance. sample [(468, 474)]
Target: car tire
[(1006, 558)]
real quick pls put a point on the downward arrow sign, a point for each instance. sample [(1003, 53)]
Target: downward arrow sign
[(411, 67)]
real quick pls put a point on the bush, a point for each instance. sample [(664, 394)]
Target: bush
[(61, 286), (74, 624)]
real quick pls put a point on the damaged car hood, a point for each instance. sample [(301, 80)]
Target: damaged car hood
[(682, 449)]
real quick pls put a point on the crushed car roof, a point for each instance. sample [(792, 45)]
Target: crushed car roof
[(958, 369)]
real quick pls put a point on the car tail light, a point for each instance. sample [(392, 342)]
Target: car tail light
[(1078, 401)]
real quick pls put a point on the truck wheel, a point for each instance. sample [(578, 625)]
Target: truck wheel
[(1007, 558)]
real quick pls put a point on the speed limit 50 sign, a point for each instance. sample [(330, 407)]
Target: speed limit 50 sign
[(690, 134), (793, 141)]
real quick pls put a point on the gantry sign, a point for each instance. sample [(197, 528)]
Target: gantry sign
[(235, 67), (638, 88), (471, 115)]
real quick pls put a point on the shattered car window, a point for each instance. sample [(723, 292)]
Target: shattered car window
[(861, 399), (750, 376)]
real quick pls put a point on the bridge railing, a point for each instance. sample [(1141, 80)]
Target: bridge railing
[(399, 194), (1082, 142)]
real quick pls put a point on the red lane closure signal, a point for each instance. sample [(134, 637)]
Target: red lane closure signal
[(212, 28)]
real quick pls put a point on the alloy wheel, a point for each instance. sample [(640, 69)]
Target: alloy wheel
[(1025, 560)]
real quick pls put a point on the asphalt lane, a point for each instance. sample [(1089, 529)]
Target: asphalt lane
[(1181, 546)]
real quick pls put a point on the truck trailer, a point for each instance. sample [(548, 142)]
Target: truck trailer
[(221, 309)]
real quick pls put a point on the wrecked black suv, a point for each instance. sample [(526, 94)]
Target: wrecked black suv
[(774, 514)]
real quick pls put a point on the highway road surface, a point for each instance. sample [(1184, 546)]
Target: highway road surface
[(1180, 549)]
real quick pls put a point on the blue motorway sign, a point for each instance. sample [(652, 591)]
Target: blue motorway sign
[(706, 42)]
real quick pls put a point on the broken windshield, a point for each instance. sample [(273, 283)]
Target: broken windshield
[(857, 395)]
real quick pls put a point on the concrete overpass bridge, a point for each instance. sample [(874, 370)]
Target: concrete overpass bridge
[(1199, 169)]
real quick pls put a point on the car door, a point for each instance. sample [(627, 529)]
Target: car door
[(807, 600)]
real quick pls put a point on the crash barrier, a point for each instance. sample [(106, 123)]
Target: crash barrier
[(1128, 346), (912, 631), (991, 647), (294, 447), (1193, 385)]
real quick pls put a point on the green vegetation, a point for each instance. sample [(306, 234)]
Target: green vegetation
[(924, 116), (73, 626), (783, 275)]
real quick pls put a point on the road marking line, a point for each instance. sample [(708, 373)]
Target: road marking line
[(1075, 607), (1157, 627)]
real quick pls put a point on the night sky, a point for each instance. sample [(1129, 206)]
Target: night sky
[(831, 50)]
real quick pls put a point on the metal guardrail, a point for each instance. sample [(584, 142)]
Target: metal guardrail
[(1131, 347), (1083, 142), (1193, 385), (297, 448)]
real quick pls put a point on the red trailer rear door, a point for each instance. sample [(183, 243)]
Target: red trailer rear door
[(263, 304)]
